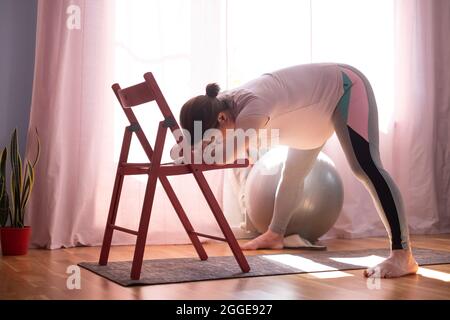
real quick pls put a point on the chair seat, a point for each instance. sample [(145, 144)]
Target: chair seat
[(172, 168)]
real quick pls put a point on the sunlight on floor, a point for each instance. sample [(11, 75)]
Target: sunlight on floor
[(368, 261), (434, 274), (308, 265), (331, 275), (299, 263)]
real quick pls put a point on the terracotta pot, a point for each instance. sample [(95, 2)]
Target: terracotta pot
[(15, 240)]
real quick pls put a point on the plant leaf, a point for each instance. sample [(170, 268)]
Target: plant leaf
[(16, 179), (4, 200), (27, 187), (15, 153), (3, 162), (12, 204), (38, 148), (4, 203)]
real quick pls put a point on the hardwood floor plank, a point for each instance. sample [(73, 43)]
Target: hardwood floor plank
[(42, 275)]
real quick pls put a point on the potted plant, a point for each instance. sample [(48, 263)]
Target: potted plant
[(14, 233)]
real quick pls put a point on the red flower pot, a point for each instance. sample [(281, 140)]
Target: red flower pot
[(15, 240)]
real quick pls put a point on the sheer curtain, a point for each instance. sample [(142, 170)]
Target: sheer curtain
[(422, 112), (71, 108), (359, 33), (401, 47), (181, 43), (82, 48), (187, 44)]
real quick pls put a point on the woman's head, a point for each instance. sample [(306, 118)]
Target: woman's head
[(207, 109)]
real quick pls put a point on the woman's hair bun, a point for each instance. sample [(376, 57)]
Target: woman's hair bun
[(212, 90)]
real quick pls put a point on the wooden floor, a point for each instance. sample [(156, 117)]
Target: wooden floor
[(42, 275)]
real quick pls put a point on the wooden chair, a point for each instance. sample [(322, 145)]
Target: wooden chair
[(133, 96)]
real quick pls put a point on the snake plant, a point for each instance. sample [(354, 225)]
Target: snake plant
[(12, 206)]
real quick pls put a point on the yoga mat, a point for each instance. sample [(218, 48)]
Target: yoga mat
[(163, 271)]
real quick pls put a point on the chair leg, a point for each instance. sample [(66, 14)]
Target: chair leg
[(223, 224), (143, 226), (107, 238), (148, 201), (115, 198), (183, 218)]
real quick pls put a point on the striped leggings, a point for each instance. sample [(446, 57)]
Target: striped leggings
[(356, 124)]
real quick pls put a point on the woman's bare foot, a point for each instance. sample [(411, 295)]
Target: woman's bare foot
[(268, 240), (400, 263)]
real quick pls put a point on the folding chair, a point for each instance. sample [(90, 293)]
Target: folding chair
[(136, 95)]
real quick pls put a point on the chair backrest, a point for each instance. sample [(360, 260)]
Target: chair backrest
[(136, 95), (141, 93), (144, 92)]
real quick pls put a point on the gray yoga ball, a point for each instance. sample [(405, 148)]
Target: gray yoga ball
[(317, 209)]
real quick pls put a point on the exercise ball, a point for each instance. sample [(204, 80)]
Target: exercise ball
[(317, 208)]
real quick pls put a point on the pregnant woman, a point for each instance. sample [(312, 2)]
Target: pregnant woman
[(306, 104)]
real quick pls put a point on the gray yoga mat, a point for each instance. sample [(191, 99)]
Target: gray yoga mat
[(163, 271)]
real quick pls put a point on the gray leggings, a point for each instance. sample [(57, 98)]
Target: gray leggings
[(357, 131)]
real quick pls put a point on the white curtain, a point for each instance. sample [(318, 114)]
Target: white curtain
[(283, 33), (82, 48), (180, 42), (190, 43), (422, 112), (359, 33), (402, 48), (187, 44)]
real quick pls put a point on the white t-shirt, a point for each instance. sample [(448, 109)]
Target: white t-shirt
[(298, 101)]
